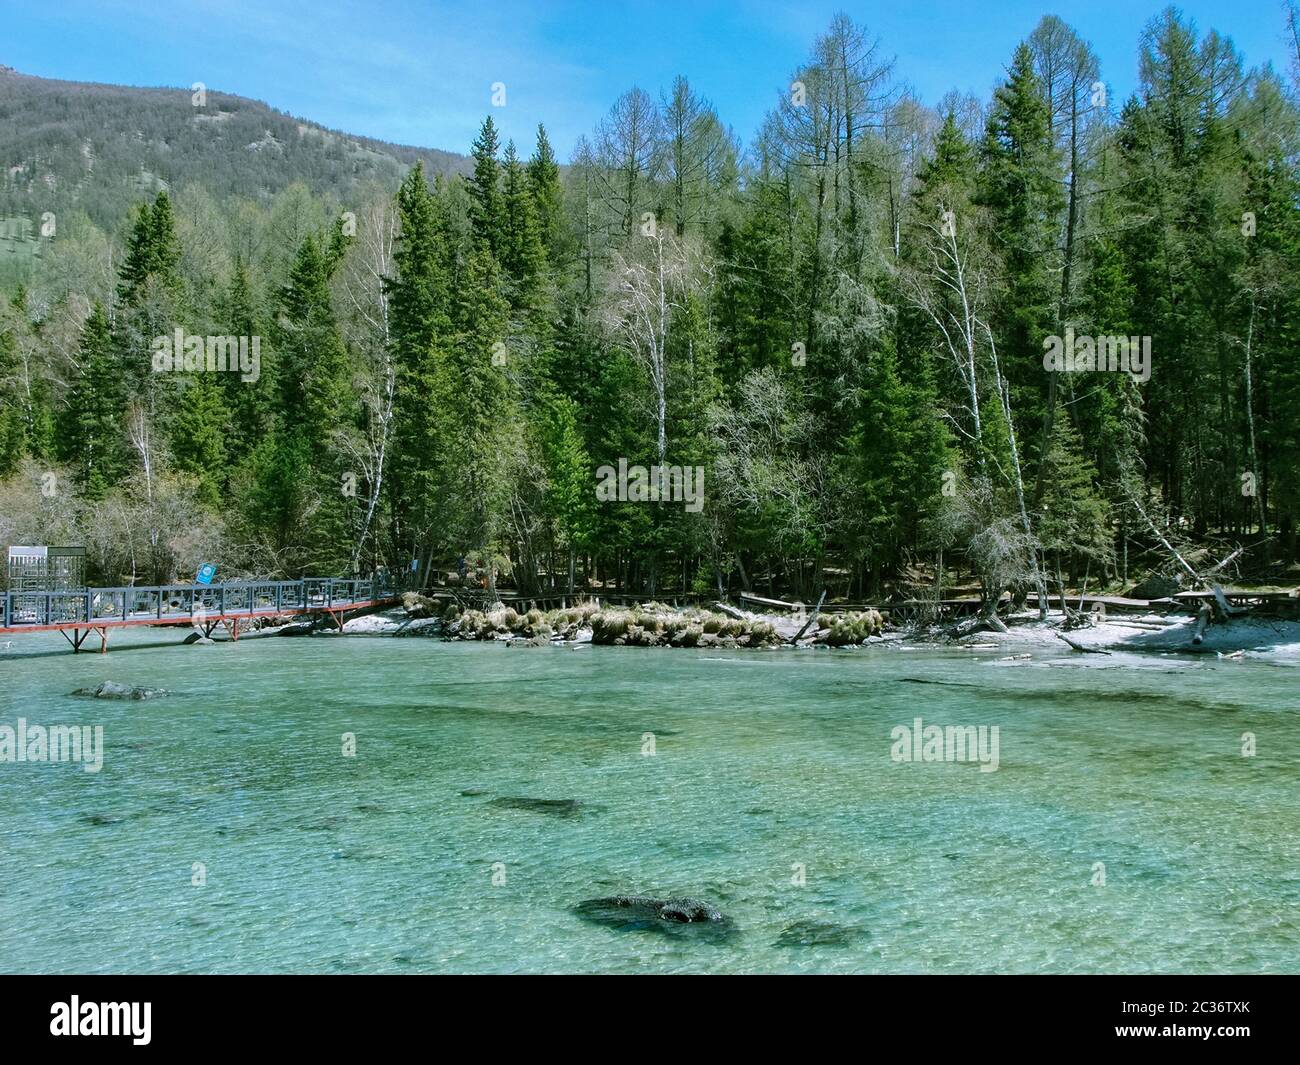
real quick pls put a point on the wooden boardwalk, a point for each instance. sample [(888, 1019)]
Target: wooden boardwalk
[(80, 612)]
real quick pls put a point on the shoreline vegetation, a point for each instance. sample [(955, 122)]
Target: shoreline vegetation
[(1155, 629), (1046, 337)]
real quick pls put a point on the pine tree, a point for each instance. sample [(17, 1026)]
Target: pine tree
[(569, 498), (523, 257), (1075, 524), (1020, 184), (420, 324), (548, 200), (315, 389), (250, 403), (199, 437), (90, 426), (26, 411), (486, 212), (757, 276), (153, 251), (476, 419), (315, 399), (947, 175), (899, 454)]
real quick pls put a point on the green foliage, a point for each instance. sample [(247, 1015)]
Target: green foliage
[(843, 328), (90, 431), (200, 437), (486, 213)]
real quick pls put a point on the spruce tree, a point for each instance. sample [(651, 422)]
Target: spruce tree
[(200, 439), (420, 324), (91, 434), (486, 213), (548, 200), (523, 257), (476, 420), (1020, 184)]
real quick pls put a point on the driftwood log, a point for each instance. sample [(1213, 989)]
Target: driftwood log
[(811, 617), (1079, 647), (1226, 609), (1202, 620)]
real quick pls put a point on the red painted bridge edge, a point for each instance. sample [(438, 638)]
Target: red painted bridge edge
[(230, 618)]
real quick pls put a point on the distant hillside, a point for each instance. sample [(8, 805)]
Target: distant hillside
[(101, 148)]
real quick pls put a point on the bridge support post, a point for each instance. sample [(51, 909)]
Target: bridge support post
[(77, 639), (103, 639), (232, 626)]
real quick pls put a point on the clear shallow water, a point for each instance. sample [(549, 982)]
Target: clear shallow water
[(320, 863)]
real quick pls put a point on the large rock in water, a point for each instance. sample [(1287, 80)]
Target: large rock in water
[(112, 690), (641, 912)]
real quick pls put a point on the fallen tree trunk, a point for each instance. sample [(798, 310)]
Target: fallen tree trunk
[(732, 612), (1079, 647), (1196, 577), (811, 617), (978, 624), (1218, 566), (1202, 620), (1226, 609)]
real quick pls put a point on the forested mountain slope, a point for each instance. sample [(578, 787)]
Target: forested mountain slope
[(100, 148)]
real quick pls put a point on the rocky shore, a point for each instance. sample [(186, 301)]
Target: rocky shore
[(649, 625), (661, 625)]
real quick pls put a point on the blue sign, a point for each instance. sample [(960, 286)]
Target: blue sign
[(206, 572)]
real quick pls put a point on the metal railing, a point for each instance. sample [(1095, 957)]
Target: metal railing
[(180, 602)]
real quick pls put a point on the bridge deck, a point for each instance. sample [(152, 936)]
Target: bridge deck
[(201, 606)]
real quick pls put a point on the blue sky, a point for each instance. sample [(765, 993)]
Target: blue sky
[(420, 72)]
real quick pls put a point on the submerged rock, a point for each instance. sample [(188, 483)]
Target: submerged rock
[(629, 913), (554, 807), (112, 690), (819, 934), (100, 820)]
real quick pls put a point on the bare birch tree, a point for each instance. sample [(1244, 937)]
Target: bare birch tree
[(365, 326)]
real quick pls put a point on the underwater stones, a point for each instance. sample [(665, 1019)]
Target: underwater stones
[(643, 913), (551, 807), (686, 910), (819, 934), (102, 820), (112, 690)]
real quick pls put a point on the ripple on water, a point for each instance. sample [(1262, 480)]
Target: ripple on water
[(490, 794)]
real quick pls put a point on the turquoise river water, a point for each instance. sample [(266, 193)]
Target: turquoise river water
[(770, 792)]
